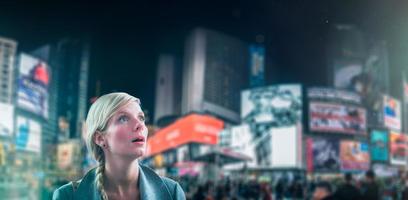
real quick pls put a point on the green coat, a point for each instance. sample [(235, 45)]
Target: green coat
[(151, 186)]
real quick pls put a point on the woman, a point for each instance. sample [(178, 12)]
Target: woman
[(116, 135)]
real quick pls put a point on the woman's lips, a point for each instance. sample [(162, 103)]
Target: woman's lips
[(139, 140)]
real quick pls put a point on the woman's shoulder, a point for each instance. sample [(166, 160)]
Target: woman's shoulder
[(174, 188), (171, 186), (63, 192), (170, 183), (82, 186)]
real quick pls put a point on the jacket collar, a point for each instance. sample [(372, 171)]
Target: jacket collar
[(151, 186)]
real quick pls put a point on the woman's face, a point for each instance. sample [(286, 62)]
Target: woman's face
[(126, 134)]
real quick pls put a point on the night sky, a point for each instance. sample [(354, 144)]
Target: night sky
[(128, 36)]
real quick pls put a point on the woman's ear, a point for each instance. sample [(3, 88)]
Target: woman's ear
[(99, 139)]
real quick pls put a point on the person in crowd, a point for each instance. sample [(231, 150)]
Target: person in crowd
[(370, 189), (323, 191), (116, 135), (298, 190), (279, 188), (266, 193), (200, 193), (348, 190)]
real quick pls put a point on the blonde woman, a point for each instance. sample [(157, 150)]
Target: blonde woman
[(116, 135)]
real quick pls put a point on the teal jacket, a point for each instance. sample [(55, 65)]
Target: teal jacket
[(151, 186)]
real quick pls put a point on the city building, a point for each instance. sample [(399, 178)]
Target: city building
[(168, 90), (215, 71), (69, 61), (69, 68), (8, 50)]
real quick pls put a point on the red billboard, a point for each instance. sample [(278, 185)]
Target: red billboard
[(192, 128)]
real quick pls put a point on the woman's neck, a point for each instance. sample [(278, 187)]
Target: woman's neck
[(121, 174)]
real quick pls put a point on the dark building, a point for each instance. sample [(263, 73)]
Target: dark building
[(215, 71), (69, 61)]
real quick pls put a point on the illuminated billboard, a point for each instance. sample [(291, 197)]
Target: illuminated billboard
[(256, 65), (28, 134), (193, 128), (6, 119), (65, 153), (326, 94), (33, 82), (354, 156), (280, 148), (322, 155), (286, 147), (398, 148), (392, 113), (242, 141), (277, 106), (379, 145), (345, 72), (337, 118)]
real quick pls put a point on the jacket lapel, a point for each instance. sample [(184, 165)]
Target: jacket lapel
[(151, 186), (87, 188)]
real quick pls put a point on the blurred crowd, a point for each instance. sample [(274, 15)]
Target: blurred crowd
[(348, 187)]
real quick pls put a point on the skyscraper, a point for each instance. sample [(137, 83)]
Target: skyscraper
[(215, 71), (8, 50), (69, 61), (167, 104)]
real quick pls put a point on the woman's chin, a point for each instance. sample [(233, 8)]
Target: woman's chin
[(138, 153)]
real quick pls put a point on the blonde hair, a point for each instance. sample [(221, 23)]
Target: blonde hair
[(97, 121)]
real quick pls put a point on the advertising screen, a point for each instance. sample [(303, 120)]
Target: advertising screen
[(65, 155), (286, 147), (277, 106), (241, 137), (256, 65), (345, 71), (322, 155), (193, 128), (354, 156), (6, 119), (28, 135), (398, 148), (392, 113), (338, 118), (383, 170), (327, 94), (379, 145), (242, 142), (32, 88)]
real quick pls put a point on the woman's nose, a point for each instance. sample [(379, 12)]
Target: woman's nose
[(138, 126)]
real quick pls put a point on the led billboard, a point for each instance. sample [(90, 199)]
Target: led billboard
[(32, 87), (337, 118), (379, 145), (6, 119), (28, 134), (193, 128), (278, 106), (322, 155), (256, 65), (354, 156), (392, 113), (398, 148), (286, 147)]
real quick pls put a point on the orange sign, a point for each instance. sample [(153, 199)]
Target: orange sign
[(192, 128)]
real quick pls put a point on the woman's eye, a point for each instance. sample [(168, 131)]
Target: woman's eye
[(141, 118), (123, 119)]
